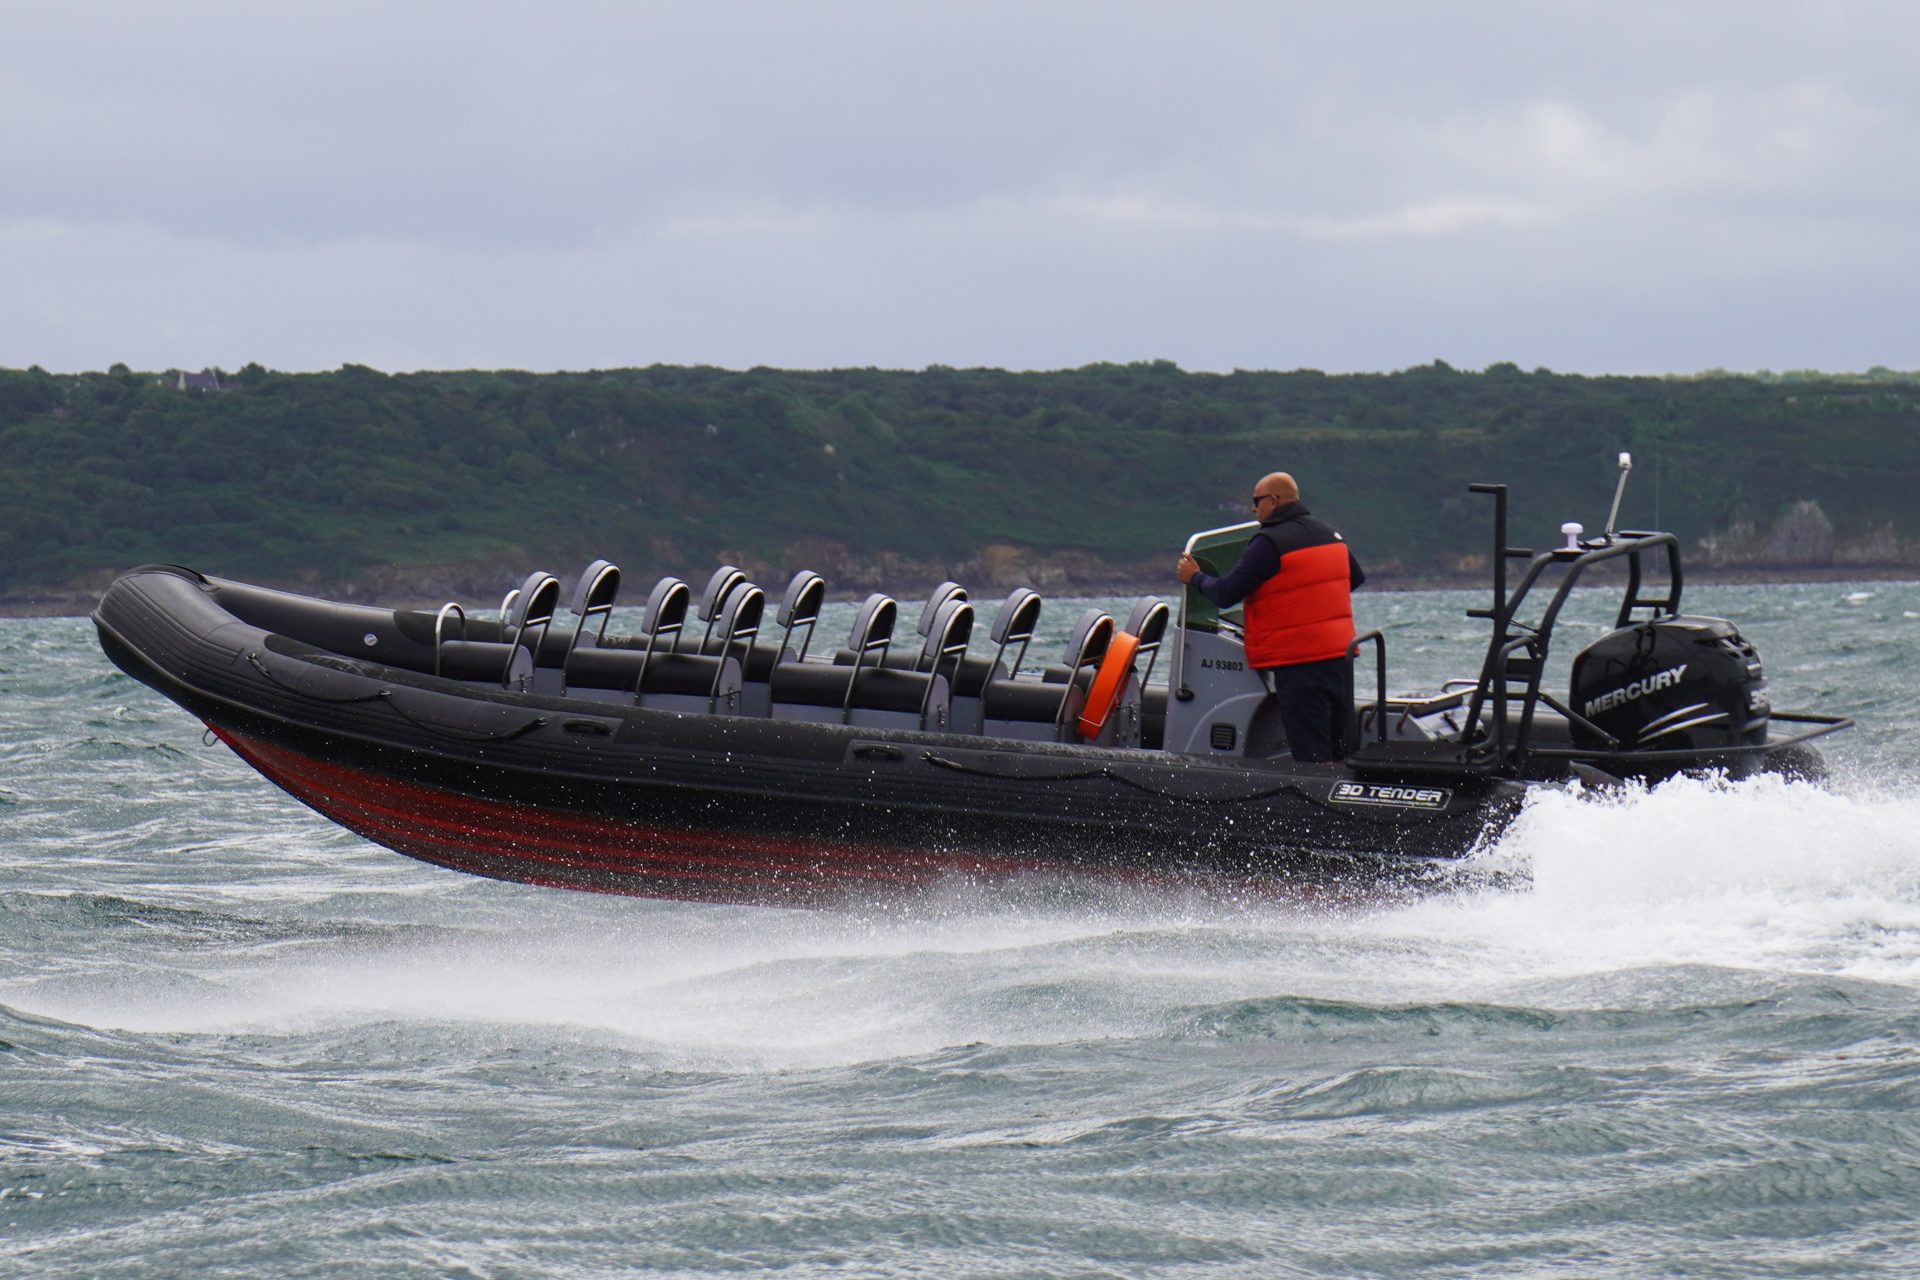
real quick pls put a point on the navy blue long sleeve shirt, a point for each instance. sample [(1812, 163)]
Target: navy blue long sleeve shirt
[(1260, 561)]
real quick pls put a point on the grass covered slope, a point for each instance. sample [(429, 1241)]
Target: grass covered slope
[(324, 477)]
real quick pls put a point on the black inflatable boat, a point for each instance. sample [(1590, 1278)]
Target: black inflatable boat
[(719, 753)]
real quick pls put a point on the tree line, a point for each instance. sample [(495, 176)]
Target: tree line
[(324, 476)]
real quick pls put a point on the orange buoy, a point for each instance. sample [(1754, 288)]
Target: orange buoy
[(1107, 683)]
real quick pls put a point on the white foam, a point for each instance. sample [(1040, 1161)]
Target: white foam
[(1601, 895), (684, 985), (1762, 873)]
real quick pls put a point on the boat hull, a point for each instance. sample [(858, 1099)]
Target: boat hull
[(600, 796)]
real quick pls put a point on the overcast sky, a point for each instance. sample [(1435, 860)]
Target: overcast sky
[(1595, 187)]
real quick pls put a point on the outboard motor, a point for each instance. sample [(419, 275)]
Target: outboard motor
[(1679, 683)]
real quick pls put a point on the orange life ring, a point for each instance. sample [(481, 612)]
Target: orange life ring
[(1107, 683)]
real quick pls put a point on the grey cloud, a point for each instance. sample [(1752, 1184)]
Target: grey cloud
[(1633, 186)]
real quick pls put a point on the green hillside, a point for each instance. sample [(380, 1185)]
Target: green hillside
[(322, 477)]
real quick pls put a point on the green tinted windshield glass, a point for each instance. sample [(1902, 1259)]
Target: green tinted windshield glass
[(1217, 550)]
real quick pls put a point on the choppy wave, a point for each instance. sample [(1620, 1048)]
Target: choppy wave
[(1603, 897), (1665, 1031)]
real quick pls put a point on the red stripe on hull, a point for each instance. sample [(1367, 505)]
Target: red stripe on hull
[(564, 849)]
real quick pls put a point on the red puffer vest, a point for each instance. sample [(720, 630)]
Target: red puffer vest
[(1304, 613)]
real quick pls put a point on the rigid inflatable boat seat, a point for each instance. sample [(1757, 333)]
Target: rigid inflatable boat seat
[(1044, 710), (1013, 626), (758, 663), (948, 632), (826, 693), (756, 666), (539, 601), (663, 679), (936, 599), (1085, 647), (1148, 623), (909, 659), (798, 613), (800, 607), (714, 599), (735, 627), (802, 691), (511, 665), (1116, 710), (593, 597), (1013, 629), (920, 696), (1149, 620), (666, 612), (611, 669)]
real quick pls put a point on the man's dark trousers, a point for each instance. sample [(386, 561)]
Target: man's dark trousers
[(1315, 700)]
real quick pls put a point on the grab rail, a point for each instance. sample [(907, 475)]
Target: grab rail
[(1380, 677), (440, 626)]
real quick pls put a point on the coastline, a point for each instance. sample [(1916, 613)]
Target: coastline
[(429, 589)]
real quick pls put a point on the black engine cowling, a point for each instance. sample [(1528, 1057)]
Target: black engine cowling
[(1679, 683)]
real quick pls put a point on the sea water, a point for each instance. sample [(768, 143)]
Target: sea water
[(1671, 1032)]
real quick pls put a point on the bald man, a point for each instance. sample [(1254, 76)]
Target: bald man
[(1297, 577)]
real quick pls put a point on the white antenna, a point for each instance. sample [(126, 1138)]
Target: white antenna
[(1626, 465)]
